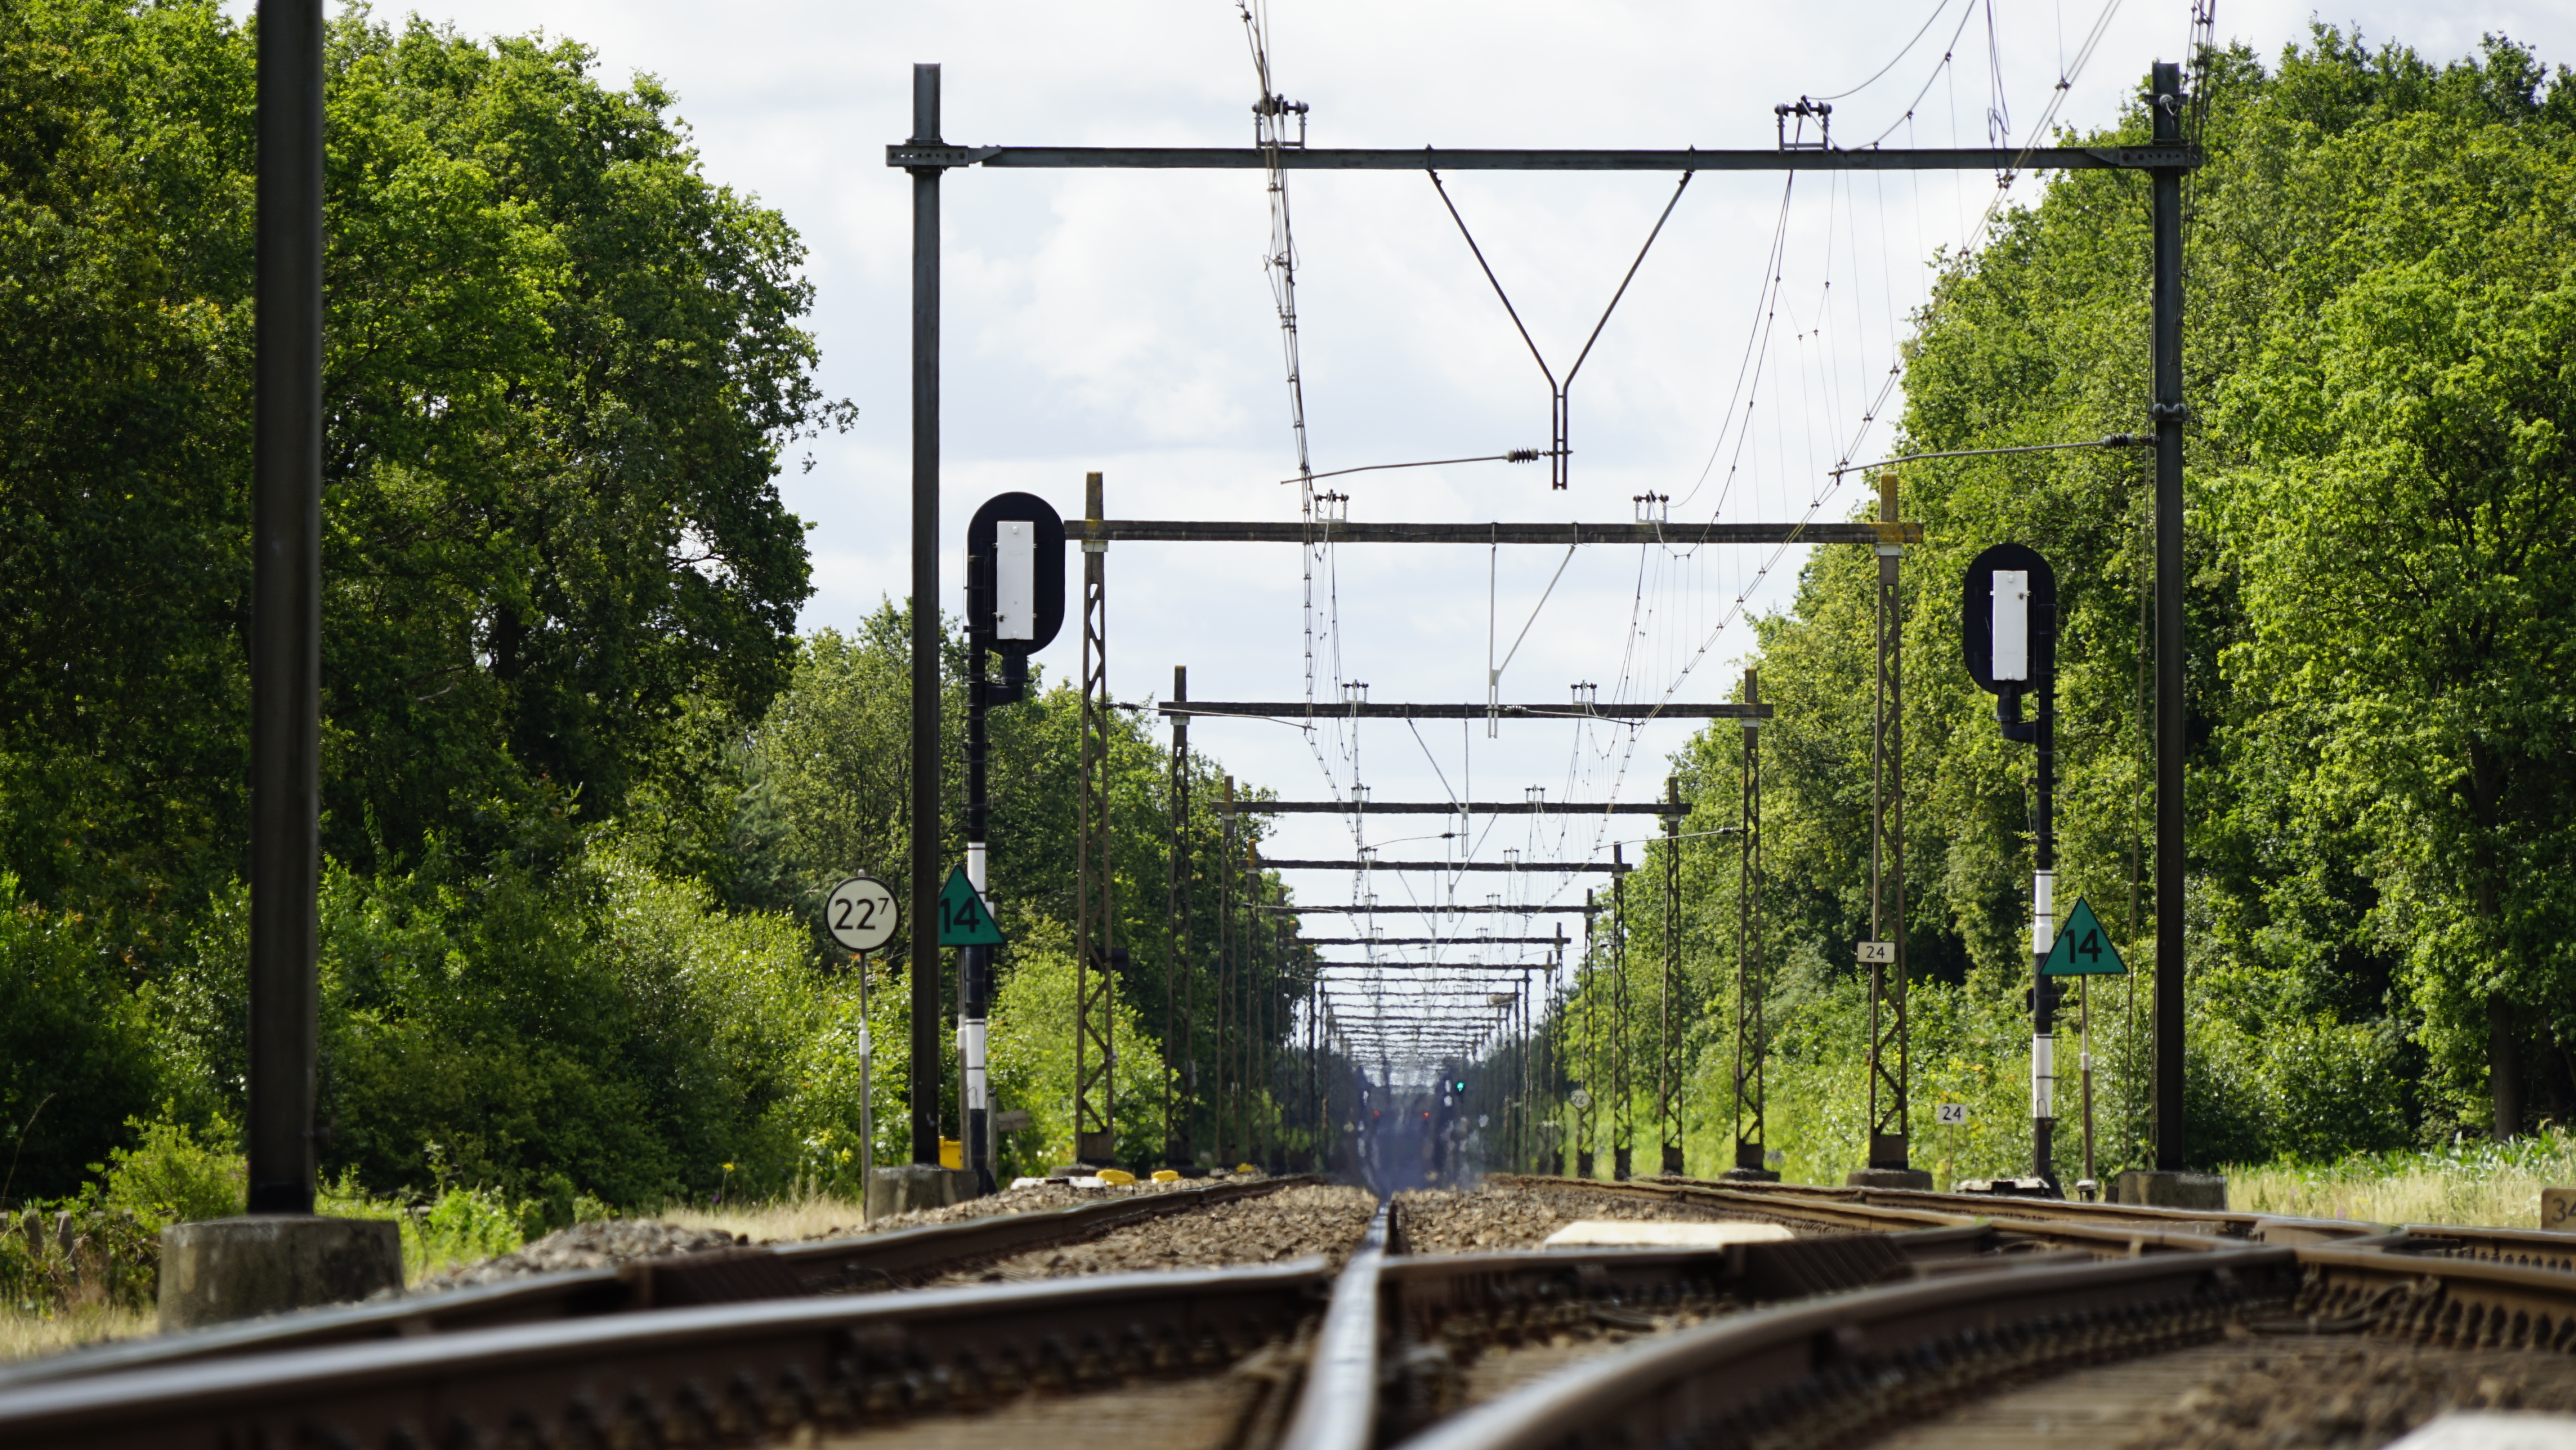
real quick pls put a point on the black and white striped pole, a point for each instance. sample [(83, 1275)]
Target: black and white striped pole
[(2008, 629)]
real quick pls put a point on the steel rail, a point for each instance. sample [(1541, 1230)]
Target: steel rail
[(739, 1370), (2452, 1302), (2252, 1227), (730, 1372), (899, 1259), (2010, 1219), (913, 1256), (1337, 1405), (1846, 1364), (2256, 1227)]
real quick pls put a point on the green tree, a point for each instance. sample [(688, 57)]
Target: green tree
[(561, 370)]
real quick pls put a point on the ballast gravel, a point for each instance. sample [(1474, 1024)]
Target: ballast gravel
[(599, 1245), (609, 1242), (1053, 1193), (1493, 1216), (1320, 1219)]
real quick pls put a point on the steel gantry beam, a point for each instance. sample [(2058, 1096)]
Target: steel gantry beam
[(1431, 941), (1365, 908), (923, 152), (1363, 710), (1321, 531), (1365, 807), (1553, 868), (926, 155)]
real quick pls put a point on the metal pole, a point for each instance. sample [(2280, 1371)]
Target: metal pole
[(1623, 1120), (1888, 1146), (2084, 1027), (974, 964), (1095, 986), (1668, 1087), (1750, 1041), (1586, 1124), (2043, 906), (1177, 1027), (2168, 412), (286, 611), (1225, 944), (867, 1091), (925, 623)]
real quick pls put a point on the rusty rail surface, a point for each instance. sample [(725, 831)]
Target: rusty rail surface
[(2277, 1229), (740, 1370), (1815, 1338), (1831, 1370), (724, 1373), (902, 1259), (2027, 1224)]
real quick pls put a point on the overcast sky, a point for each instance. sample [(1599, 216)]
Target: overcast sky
[(1121, 322)]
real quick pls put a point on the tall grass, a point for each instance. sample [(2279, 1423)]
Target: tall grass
[(2472, 1181)]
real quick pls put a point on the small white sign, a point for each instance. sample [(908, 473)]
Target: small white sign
[(861, 914), (1015, 574), (1950, 1115), (1878, 953), (2012, 624)]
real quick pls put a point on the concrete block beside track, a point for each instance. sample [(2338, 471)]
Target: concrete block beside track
[(2156, 1188), (218, 1270), (910, 1186)]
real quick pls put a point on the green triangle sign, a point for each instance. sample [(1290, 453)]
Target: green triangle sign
[(2083, 948), (964, 919)]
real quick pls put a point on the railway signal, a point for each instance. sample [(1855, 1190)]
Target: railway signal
[(1014, 606), (2008, 633)]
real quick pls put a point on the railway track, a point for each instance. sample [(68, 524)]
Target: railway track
[(902, 1259), (1896, 1322)]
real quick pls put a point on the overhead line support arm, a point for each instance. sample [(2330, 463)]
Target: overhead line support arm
[(1252, 158)]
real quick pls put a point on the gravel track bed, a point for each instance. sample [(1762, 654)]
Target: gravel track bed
[(601, 1245), (1310, 1219), (607, 1243), (1026, 1200), (2289, 1395), (1446, 1221)]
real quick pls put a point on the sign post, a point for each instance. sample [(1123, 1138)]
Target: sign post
[(1014, 606), (2085, 951), (862, 915), (2008, 632)]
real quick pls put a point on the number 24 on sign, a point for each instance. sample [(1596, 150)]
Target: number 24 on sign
[(1950, 1115)]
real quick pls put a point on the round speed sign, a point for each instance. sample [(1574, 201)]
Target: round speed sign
[(861, 914)]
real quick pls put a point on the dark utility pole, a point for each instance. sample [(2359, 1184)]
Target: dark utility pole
[(1180, 1016), (2043, 900), (2168, 413), (286, 610), (925, 623)]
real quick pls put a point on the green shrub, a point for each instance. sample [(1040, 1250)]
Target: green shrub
[(174, 1174), (76, 1058)]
